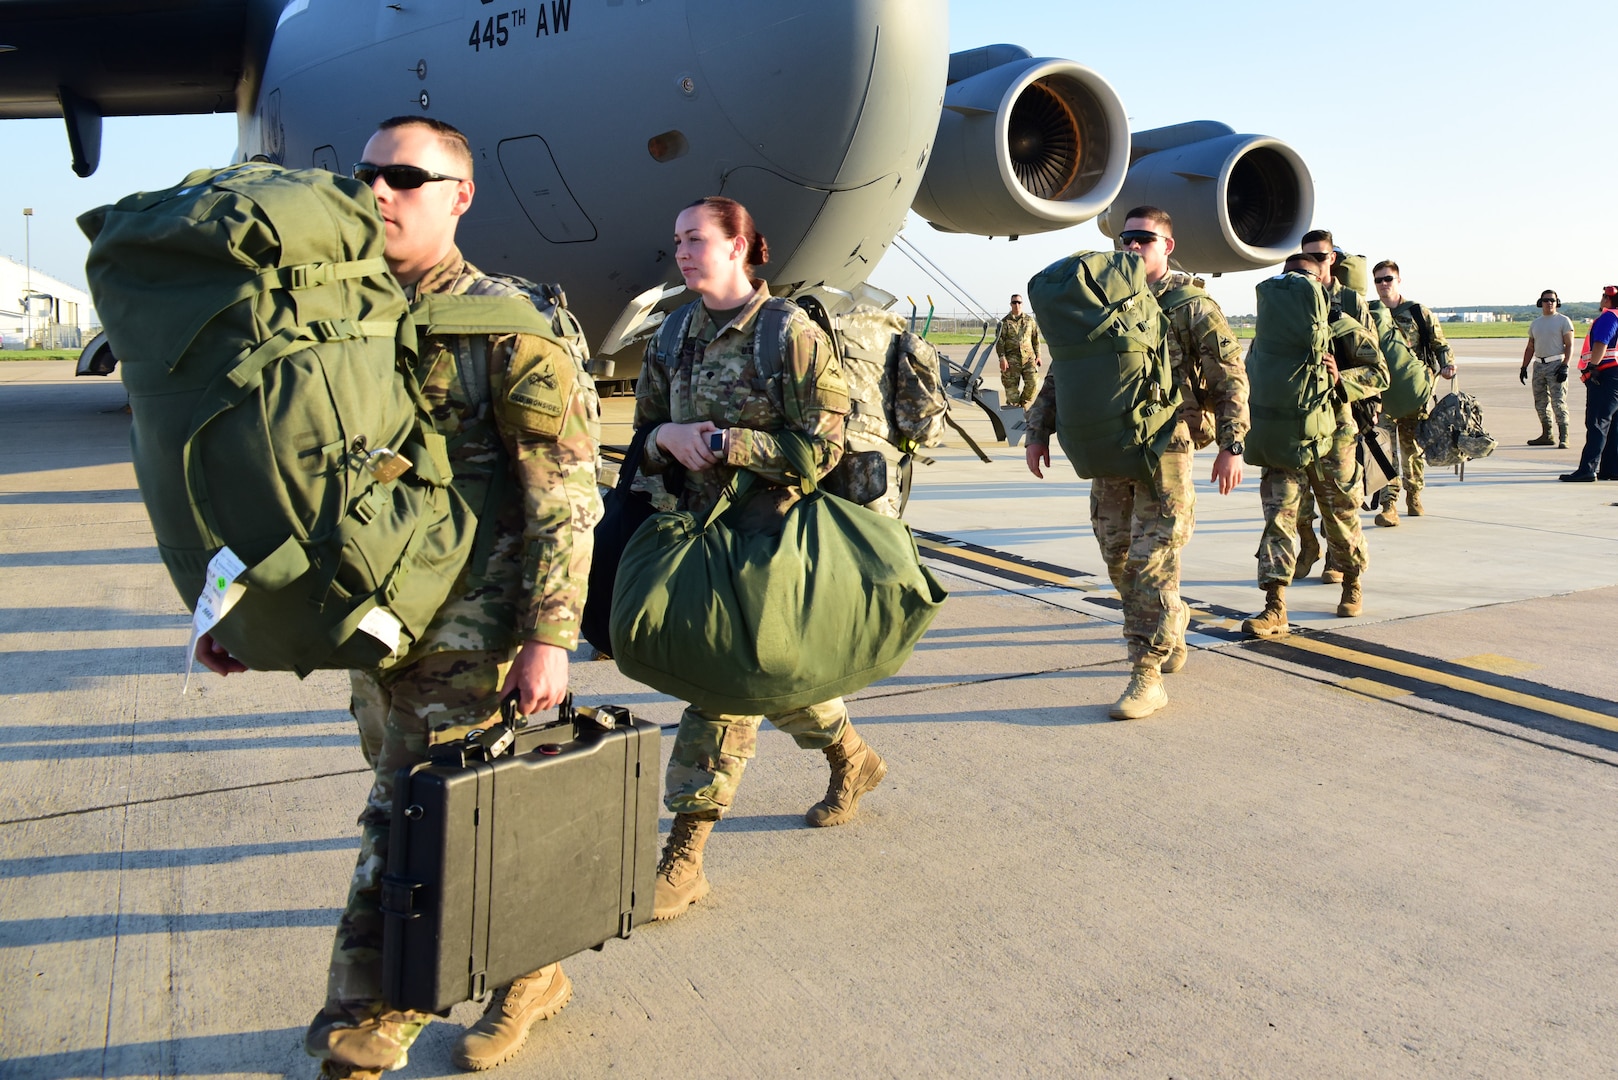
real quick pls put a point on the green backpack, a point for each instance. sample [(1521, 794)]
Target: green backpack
[(1116, 401), (1410, 382), (1352, 272), (266, 350), (1290, 400)]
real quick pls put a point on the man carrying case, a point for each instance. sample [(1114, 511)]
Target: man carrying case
[(519, 847)]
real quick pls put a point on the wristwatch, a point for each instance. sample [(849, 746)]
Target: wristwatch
[(1237, 448)]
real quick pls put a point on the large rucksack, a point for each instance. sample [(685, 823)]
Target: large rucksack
[(1410, 382), (1290, 400), (1116, 401), (282, 446)]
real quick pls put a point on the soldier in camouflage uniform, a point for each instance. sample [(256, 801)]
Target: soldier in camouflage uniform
[(1141, 529), (1426, 339), (1017, 345), (713, 385), (1358, 369), (522, 420), (1351, 303)]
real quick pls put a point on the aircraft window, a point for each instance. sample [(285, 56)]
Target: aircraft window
[(667, 146)]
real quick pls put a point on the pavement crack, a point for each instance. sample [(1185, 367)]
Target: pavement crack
[(181, 795)]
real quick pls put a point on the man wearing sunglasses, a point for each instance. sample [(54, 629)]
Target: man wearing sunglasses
[(1141, 528), (1017, 345), (1426, 339), (1550, 348), (1598, 367), (1354, 369), (521, 418)]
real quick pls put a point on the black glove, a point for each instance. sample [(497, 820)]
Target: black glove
[(1522, 376)]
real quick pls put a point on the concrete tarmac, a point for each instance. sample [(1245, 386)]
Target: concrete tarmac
[(1378, 847)]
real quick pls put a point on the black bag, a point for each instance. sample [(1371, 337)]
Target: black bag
[(623, 511), (515, 849)]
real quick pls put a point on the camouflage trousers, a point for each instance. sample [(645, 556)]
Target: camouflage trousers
[(1550, 396), (711, 750), (1334, 482), (1405, 453), (1141, 529), (400, 713), (1020, 380)]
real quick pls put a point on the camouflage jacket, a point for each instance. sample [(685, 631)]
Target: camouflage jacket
[(533, 470), (1018, 338), (1207, 366), (1423, 334), (714, 378)]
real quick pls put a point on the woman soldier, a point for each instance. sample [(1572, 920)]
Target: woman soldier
[(713, 413)]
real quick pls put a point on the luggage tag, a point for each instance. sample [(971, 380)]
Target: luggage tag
[(220, 592)]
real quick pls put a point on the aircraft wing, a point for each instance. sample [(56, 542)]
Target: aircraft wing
[(122, 57)]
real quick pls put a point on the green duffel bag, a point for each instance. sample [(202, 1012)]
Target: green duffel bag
[(761, 623), (1294, 416), (278, 436), (1410, 382), (1116, 398)]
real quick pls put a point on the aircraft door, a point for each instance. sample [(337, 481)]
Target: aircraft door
[(530, 169)]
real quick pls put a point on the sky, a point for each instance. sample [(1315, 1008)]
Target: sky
[(1466, 143)]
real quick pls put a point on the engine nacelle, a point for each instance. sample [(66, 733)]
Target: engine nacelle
[(1239, 202), (1025, 146)]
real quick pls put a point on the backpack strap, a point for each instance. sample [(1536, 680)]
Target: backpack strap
[(672, 332), (768, 331), (1179, 296)]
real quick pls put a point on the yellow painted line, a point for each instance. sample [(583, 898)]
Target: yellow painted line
[(1454, 682), (1372, 688), (1497, 665), (1024, 569)]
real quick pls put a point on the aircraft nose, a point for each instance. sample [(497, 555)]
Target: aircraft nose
[(826, 91)]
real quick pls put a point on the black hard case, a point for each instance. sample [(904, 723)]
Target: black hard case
[(504, 859)]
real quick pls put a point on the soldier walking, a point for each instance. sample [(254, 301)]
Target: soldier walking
[(1142, 527), (1303, 432), (1017, 345), (1422, 333)]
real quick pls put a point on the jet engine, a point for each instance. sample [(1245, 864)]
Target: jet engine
[(1024, 145), (1239, 202)]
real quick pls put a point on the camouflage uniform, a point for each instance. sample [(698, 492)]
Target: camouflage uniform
[(532, 473), (714, 378), (1355, 307), (1141, 528), (1018, 345), (1333, 478), (1409, 458)]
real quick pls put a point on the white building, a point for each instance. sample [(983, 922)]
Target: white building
[(57, 314)]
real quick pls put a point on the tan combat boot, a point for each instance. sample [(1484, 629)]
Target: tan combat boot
[(1353, 598), (855, 769), (1143, 696), (1308, 554), (503, 1029), (1272, 621), (680, 880), (1543, 440), (1388, 516), (362, 1049), (1413, 503), (1177, 655)]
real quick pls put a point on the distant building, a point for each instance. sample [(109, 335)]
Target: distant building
[(58, 315)]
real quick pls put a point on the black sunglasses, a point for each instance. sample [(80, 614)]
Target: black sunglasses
[(1138, 236), (1383, 280), (1317, 256), (399, 177), (1550, 300)]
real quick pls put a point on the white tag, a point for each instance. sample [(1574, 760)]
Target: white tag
[(219, 594), (383, 625)]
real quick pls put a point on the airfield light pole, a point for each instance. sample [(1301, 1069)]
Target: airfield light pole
[(27, 273)]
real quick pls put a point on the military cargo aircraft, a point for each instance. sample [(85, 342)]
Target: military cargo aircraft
[(594, 121)]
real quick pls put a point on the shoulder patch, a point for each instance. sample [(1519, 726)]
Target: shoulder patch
[(539, 385)]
